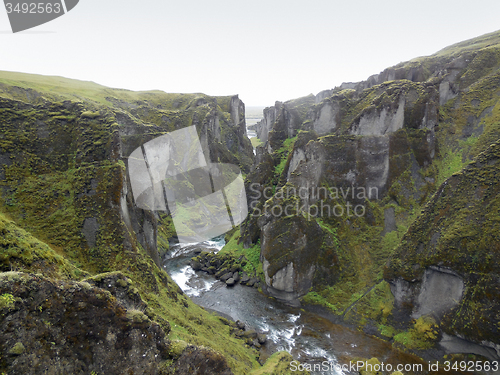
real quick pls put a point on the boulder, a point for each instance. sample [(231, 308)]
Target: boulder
[(244, 278), (226, 276), (261, 338), (195, 265)]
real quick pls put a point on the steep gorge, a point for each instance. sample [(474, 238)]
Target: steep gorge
[(377, 201)]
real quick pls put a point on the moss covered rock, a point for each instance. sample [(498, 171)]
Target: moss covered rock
[(457, 231)]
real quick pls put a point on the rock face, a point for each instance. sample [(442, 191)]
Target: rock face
[(292, 113), (290, 263), (322, 175), (387, 147), (444, 266), (439, 291), (377, 110), (201, 361), (74, 328), (71, 157)]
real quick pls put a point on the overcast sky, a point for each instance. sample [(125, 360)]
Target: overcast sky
[(262, 50)]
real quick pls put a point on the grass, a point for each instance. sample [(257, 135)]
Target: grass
[(7, 301), (256, 142), (56, 182), (280, 364), (192, 324), (22, 251), (282, 153), (56, 87), (484, 41), (421, 336)]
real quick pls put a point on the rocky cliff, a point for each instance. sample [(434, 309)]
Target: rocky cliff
[(81, 289), (337, 192), (445, 266)]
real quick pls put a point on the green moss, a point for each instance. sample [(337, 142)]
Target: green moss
[(251, 257), (422, 335), (7, 301), (329, 229), (256, 142), (90, 115), (376, 305), (370, 366), (282, 155), (279, 364), (137, 316), (458, 227), (176, 348), (17, 349), (193, 325), (387, 331), (21, 251), (165, 231), (313, 298)]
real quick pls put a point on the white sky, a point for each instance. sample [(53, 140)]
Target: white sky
[(262, 50)]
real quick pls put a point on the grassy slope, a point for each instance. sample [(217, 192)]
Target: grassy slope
[(76, 90)]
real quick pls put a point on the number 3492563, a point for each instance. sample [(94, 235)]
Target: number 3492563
[(33, 8), (471, 366)]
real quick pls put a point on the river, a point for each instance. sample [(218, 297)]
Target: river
[(308, 336)]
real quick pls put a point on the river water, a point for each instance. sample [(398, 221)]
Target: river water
[(308, 336)]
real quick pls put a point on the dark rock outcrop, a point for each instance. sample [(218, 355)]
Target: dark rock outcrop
[(201, 361), (73, 327), (225, 268), (444, 266)]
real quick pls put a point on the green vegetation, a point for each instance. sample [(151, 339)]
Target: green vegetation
[(282, 155), (17, 349), (192, 324), (279, 364), (256, 142), (22, 251), (251, 263), (370, 366), (475, 44), (7, 301), (422, 335), (63, 186), (56, 88)]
